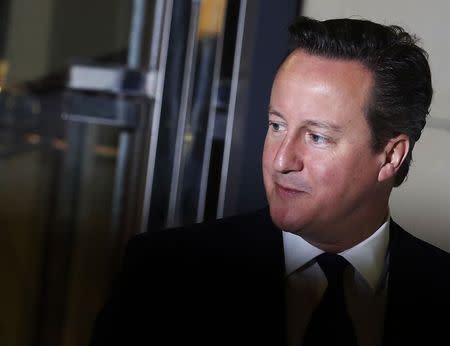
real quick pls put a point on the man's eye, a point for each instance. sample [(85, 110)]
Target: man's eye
[(318, 139), (275, 126)]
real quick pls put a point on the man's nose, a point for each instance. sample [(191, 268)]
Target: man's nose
[(289, 157)]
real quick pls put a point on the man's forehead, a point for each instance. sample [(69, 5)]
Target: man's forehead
[(328, 64), (349, 78)]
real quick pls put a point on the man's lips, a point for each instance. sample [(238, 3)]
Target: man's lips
[(284, 189)]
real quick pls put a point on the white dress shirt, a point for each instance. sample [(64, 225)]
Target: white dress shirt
[(364, 285)]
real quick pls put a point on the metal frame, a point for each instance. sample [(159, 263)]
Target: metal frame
[(232, 108), (210, 129), (155, 113), (173, 217)]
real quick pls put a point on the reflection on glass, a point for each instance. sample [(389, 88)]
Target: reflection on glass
[(56, 177)]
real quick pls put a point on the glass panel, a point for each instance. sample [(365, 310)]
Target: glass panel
[(56, 176), (87, 218)]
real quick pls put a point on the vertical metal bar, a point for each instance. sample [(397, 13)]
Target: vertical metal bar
[(156, 35), (123, 159), (210, 129), (188, 79), (137, 27), (156, 114), (231, 109)]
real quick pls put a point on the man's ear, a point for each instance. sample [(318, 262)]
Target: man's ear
[(394, 154)]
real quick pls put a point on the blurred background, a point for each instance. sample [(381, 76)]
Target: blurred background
[(119, 117)]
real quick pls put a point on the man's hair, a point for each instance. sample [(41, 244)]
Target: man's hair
[(402, 91)]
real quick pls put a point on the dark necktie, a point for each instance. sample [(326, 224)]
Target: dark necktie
[(330, 323)]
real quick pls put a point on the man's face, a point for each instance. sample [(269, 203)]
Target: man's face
[(320, 172)]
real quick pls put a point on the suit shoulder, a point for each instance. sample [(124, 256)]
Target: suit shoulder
[(408, 241), (414, 254), (222, 232), (229, 225)]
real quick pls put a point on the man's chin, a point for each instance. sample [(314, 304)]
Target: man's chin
[(284, 221)]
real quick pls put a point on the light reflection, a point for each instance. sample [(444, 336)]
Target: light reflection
[(4, 67), (34, 138), (106, 151)]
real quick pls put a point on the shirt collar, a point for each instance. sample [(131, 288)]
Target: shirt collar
[(367, 257), (297, 252)]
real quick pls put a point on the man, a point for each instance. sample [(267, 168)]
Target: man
[(324, 264)]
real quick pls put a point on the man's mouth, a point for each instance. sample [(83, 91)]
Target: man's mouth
[(287, 190)]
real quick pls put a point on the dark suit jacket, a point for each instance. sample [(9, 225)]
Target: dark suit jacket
[(222, 283)]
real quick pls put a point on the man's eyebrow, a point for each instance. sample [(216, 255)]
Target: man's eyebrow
[(324, 125), (274, 112), (320, 124)]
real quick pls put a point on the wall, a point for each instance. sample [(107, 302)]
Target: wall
[(422, 204)]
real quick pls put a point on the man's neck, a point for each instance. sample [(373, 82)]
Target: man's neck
[(338, 238)]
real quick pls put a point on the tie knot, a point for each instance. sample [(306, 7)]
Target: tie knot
[(333, 266)]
